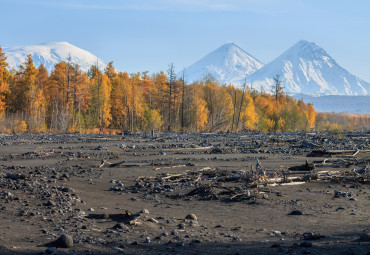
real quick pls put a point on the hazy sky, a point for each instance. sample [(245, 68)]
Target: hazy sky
[(140, 35)]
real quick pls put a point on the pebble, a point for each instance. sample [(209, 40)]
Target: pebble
[(191, 216), (181, 226), (144, 211), (296, 212), (64, 241), (194, 223)]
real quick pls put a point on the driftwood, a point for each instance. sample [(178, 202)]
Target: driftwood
[(328, 153), (188, 149), (127, 218)]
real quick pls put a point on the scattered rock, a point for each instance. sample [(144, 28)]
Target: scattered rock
[(64, 241), (194, 223), (295, 212), (50, 203), (144, 211), (191, 216)]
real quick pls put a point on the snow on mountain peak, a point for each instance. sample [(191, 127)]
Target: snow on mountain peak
[(308, 69), (51, 53), (227, 64)]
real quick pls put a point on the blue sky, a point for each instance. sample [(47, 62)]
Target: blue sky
[(140, 35)]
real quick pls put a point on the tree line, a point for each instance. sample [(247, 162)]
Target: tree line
[(69, 100)]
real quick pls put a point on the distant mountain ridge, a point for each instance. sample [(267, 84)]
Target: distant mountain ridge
[(51, 53), (227, 64), (306, 68)]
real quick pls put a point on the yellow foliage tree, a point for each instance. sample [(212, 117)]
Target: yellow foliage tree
[(201, 113), (250, 116), (20, 126), (311, 116), (4, 86), (155, 120), (281, 124)]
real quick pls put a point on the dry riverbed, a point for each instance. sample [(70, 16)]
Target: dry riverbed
[(214, 193)]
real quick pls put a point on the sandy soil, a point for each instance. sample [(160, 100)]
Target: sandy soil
[(55, 184)]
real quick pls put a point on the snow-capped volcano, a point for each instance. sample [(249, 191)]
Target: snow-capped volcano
[(307, 69), (227, 64), (51, 53)]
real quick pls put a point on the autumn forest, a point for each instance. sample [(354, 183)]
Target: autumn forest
[(69, 100)]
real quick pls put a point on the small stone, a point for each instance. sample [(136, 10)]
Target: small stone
[(181, 226), (165, 234), (191, 216), (296, 212), (265, 196), (50, 203), (64, 241), (144, 211), (306, 244), (276, 233), (194, 223)]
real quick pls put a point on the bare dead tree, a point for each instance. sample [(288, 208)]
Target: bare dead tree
[(171, 82), (241, 104)]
